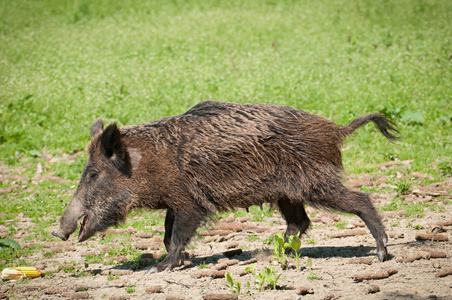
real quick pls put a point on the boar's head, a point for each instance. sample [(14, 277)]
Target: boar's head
[(103, 196)]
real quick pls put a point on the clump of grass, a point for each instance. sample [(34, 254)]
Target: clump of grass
[(403, 185), (445, 167), (342, 224)]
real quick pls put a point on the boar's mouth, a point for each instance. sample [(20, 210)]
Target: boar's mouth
[(85, 230)]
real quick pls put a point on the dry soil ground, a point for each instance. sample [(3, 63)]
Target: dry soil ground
[(340, 247)]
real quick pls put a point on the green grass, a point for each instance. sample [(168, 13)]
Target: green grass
[(342, 224), (411, 209), (64, 64)]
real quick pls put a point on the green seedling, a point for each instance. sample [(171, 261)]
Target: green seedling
[(268, 275), (279, 249), (295, 244), (251, 269), (230, 282), (248, 287), (259, 279), (271, 277), (233, 284)]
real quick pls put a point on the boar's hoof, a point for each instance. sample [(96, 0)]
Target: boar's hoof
[(382, 254), (60, 235), (152, 270), (161, 267)]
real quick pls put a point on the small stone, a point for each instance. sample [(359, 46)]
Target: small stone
[(116, 272), (330, 297), (117, 283), (147, 246), (304, 290), (154, 289), (243, 219), (436, 264), (372, 289), (231, 245), (210, 296), (122, 297), (144, 235), (173, 297)]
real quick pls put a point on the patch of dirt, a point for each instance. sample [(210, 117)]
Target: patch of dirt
[(344, 263)]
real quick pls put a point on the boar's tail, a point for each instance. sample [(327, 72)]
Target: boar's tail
[(384, 125)]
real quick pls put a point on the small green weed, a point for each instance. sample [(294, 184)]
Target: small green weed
[(112, 277), (252, 237), (270, 240), (342, 224), (130, 288), (49, 274), (95, 259), (260, 215), (310, 240), (203, 265), (395, 224), (68, 270), (311, 275)]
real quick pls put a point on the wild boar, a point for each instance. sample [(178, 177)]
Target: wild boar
[(215, 157)]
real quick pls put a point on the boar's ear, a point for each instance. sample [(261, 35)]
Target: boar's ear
[(97, 127), (115, 150)]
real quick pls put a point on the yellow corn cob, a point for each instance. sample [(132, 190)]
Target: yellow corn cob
[(21, 272), (31, 272)]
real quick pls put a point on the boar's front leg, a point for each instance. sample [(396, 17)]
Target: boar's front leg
[(184, 224), (169, 221)]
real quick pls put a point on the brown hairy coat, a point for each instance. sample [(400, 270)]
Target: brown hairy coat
[(215, 157)]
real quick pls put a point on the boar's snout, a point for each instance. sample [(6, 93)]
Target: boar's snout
[(68, 222), (60, 235)]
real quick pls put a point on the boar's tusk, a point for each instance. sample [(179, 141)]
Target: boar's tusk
[(82, 228)]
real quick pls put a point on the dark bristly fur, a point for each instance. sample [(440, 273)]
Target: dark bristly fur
[(215, 157)]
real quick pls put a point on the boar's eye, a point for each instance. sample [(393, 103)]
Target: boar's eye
[(93, 176)]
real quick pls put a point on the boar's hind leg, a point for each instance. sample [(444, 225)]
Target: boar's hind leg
[(169, 221), (184, 225), (295, 216), (359, 204)]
